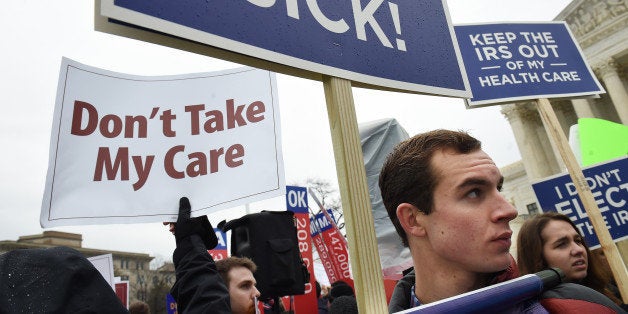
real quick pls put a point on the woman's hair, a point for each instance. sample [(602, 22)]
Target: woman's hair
[(530, 257)]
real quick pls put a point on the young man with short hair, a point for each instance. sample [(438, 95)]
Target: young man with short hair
[(442, 193)]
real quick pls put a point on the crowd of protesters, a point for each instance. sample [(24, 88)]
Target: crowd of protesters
[(442, 194)]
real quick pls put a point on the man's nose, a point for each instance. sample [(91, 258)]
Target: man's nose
[(505, 211)]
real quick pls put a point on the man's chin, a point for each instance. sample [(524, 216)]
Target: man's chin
[(251, 310), (497, 264)]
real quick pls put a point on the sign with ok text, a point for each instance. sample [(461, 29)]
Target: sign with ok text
[(609, 185), (125, 148), (519, 61), (296, 202)]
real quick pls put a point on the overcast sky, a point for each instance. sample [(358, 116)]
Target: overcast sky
[(36, 34)]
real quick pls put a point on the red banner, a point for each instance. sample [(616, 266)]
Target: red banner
[(336, 246), (122, 291), (296, 200), (340, 257), (323, 253)]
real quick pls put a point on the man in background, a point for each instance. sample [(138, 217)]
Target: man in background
[(237, 273)]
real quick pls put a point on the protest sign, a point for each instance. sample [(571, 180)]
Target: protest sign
[(104, 265), (323, 253), (518, 61), (296, 201), (171, 304), (122, 291), (601, 140), (609, 186), (125, 148), (335, 244), (349, 39), (220, 251)]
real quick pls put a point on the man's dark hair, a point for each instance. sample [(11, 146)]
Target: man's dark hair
[(318, 290), (344, 304), (139, 307), (225, 265), (339, 288), (407, 175)]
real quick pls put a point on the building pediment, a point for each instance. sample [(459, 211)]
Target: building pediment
[(592, 21)]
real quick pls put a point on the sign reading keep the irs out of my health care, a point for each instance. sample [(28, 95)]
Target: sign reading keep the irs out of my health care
[(521, 61)]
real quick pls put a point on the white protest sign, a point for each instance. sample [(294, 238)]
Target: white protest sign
[(104, 265), (125, 148)]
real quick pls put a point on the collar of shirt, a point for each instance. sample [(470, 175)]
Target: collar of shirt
[(414, 301)]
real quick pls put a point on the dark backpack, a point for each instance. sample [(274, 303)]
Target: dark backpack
[(270, 240)]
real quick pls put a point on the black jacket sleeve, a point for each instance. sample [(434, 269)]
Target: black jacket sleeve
[(199, 287)]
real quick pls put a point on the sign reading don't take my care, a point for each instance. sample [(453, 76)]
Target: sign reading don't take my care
[(125, 148)]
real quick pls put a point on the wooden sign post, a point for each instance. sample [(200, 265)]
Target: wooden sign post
[(610, 249), (356, 203)]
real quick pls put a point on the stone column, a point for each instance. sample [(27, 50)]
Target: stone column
[(615, 88), (548, 144), (525, 122), (582, 108)]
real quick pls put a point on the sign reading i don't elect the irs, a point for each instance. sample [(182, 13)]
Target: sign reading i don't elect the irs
[(608, 182)]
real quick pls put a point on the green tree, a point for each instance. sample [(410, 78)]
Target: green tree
[(157, 295)]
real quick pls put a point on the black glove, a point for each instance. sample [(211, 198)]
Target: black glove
[(200, 226)]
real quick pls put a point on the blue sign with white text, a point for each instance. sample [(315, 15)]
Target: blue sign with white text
[(609, 186), (408, 45), (296, 199), (512, 62), (222, 239), (171, 304), (321, 223)]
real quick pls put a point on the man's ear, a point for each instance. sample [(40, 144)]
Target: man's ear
[(410, 220)]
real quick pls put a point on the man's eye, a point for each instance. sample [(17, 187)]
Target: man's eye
[(475, 193), (247, 286)]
